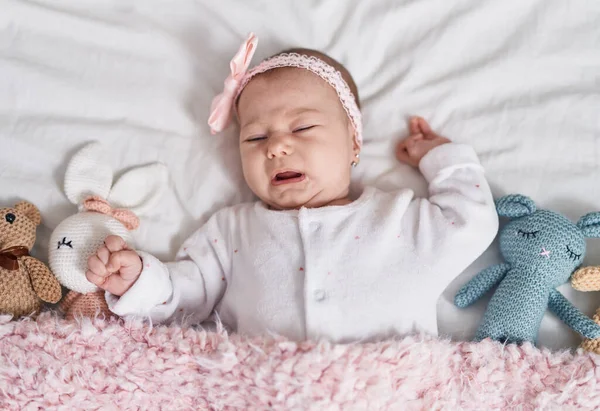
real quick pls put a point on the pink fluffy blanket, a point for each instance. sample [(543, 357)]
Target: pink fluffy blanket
[(50, 363)]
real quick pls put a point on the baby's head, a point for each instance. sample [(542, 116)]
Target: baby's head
[(300, 132)]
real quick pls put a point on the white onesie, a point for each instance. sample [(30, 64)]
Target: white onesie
[(365, 270)]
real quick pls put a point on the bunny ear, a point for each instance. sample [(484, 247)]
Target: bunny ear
[(590, 225), (515, 206), (86, 175), (139, 189)]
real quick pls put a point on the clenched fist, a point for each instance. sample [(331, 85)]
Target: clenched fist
[(420, 142), (115, 267)]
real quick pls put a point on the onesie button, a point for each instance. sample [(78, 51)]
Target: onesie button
[(319, 295), (314, 226)]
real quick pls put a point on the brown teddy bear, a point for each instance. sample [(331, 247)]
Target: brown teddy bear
[(24, 281), (588, 279)]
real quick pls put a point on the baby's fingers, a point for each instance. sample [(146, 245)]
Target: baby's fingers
[(418, 125), (103, 254), (115, 243), (403, 153), (113, 283), (97, 267), (95, 279), (413, 125), (127, 263)]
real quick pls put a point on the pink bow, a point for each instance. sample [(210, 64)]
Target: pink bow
[(100, 205), (220, 111)]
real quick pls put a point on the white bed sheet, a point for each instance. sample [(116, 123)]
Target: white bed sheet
[(517, 79)]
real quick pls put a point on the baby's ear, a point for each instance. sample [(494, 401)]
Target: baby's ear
[(590, 225), (355, 143), (515, 206)]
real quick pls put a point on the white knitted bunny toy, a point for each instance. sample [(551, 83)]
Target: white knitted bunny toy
[(103, 211)]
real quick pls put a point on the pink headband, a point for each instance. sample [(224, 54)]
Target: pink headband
[(224, 103)]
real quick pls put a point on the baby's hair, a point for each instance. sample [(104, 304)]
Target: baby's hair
[(332, 62)]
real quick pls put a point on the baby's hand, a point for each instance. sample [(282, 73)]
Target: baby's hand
[(420, 142), (114, 267)]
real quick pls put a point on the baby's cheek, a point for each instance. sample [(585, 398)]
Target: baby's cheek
[(255, 176), (335, 164)]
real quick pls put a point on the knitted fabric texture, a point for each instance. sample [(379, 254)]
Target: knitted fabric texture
[(100, 205), (105, 209), (541, 249), (75, 240), (593, 345), (90, 305), (22, 289), (9, 257), (588, 279)]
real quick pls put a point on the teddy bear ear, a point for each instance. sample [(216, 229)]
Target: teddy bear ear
[(589, 224), (515, 206), (87, 175), (30, 211)]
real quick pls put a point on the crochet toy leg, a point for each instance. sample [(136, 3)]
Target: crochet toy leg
[(85, 305), (593, 345), (17, 296), (588, 279)]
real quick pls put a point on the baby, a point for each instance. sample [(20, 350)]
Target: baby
[(307, 261)]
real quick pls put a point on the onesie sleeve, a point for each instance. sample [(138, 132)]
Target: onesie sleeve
[(458, 221), (188, 288)]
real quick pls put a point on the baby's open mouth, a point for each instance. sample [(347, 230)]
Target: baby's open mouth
[(287, 177)]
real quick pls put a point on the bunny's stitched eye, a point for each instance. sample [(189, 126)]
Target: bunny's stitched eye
[(528, 234), (65, 243), (10, 218), (572, 255)]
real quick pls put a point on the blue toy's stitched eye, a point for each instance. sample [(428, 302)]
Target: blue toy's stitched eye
[(65, 243), (528, 234), (572, 255)]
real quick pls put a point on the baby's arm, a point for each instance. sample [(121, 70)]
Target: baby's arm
[(139, 284), (459, 220)]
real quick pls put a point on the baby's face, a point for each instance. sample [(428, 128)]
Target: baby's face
[(296, 141)]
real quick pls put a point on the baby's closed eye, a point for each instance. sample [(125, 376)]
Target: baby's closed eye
[(253, 139), (304, 128)]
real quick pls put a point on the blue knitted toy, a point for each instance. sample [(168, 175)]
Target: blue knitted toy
[(541, 249)]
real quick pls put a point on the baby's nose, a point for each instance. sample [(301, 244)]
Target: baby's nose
[(279, 146)]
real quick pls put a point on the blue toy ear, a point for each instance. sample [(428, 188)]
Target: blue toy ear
[(590, 225), (515, 206)]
